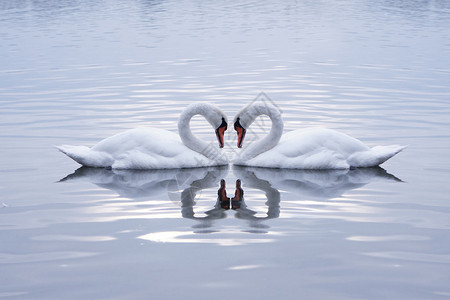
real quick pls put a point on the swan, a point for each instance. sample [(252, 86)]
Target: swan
[(154, 148), (309, 148)]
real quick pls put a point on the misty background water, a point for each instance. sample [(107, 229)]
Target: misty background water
[(75, 72)]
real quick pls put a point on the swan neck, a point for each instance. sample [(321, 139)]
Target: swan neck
[(189, 139), (271, 139)]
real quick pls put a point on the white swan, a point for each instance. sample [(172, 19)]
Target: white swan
[(153, 148), (309, 148)]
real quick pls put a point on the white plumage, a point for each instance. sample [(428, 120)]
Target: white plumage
[(308, 148), (154, 148)]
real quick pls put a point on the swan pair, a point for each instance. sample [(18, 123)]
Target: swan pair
[(153, 148)]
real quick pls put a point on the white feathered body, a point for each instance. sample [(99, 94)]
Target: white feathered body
[(318, 148), (142, 148)]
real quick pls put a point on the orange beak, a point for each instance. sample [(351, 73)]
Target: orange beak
[(220, 131), (236, 201), (240, 133), (222, 191), (223, 199)]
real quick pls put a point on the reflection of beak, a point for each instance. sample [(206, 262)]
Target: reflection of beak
[(222, 190), (241, 135), (236, 201), (223, 199), (239, 192), (238, 184)]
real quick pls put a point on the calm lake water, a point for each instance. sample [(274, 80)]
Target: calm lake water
[(75, 72)]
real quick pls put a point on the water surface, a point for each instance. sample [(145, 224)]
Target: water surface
[(74, 72)]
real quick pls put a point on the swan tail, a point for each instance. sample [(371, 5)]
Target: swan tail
[(375, 156), (85, 156)]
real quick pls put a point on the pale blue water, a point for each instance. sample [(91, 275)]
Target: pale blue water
[(74, 72)]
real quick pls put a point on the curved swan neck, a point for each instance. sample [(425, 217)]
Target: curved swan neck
[(211, 114), (249, 114)]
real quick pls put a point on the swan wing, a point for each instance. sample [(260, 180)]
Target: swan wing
[(321, 148), (86, 157), (153, 148), (375, 156), (139, 148)]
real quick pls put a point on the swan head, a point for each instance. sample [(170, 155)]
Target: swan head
[(220, 131), (240, 132), (243, 119)]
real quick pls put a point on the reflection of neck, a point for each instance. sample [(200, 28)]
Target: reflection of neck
[(188, 198), (270, 140), (273, 195), (184, 129)]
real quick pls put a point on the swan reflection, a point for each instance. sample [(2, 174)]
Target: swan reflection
[(236, 203), (183, 187), (324, 184), (145, 183)]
